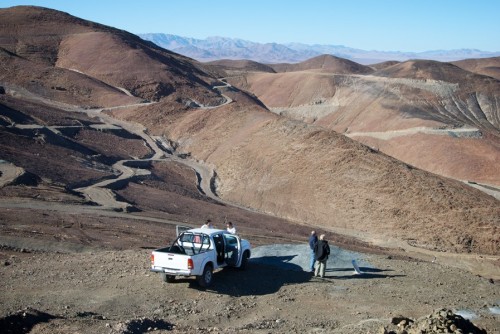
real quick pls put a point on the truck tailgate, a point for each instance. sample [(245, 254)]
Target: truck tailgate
[(165, 261)]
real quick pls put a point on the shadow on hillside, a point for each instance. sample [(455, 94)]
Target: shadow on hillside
[(264, 275)]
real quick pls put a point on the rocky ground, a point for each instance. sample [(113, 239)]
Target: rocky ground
[(99, 288)]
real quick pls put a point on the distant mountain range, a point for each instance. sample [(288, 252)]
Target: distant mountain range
[(214, 48)]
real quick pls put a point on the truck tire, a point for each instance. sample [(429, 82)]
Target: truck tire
[(167, 278), (244, 260), (205, 280)]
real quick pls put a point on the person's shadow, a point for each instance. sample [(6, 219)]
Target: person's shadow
[(366, 273)]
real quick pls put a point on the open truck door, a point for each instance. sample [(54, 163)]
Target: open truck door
[(179, 229), (232, 249)]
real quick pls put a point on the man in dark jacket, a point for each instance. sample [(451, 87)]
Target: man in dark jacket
[(313, 239), (321, 252)]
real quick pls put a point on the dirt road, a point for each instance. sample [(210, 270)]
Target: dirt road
[(114, 292)]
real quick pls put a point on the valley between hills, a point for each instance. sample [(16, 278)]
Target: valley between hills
[(109, 141)]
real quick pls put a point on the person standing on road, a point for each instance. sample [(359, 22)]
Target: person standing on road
[(321, 252), (313, 239)]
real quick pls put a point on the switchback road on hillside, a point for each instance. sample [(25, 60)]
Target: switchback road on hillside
[(100, 192)]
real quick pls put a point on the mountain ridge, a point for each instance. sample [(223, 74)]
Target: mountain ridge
[(216, 48)]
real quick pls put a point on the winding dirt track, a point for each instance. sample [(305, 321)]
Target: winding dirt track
[(100, 192), (103, 196)]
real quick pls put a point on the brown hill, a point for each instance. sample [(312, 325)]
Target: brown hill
[(474, 94), (311, 175), (241, 65), (325, 63), (383, 65), (433, 104), (287, 90), (426, 70), (115, 57), (484, 66), (22, 75), (302, 173)]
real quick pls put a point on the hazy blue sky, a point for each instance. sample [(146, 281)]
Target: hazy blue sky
[(388, 25)]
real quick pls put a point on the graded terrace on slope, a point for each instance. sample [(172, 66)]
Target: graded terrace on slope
[(415, 111)]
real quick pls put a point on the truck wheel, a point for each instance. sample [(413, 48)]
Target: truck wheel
[(205, 280), (244, 260), (167, 278)]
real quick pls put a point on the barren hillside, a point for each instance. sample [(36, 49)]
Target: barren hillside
[(325, 63), (245, 65), (415, 111), (79, 51), (485, 66), (311, 175)]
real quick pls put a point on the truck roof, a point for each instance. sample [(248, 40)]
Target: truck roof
[(208, 231)]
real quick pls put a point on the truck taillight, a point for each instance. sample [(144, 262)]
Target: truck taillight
[(190, 264), (152, 259)]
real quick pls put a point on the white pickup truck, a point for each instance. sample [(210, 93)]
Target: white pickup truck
[(198, 252)]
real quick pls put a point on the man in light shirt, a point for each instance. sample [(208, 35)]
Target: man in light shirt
[(230, 228)]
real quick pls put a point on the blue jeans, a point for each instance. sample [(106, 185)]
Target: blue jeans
[(312, 260)]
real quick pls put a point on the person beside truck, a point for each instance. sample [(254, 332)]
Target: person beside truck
[(198, 252), (321, 252), (230, 228)]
